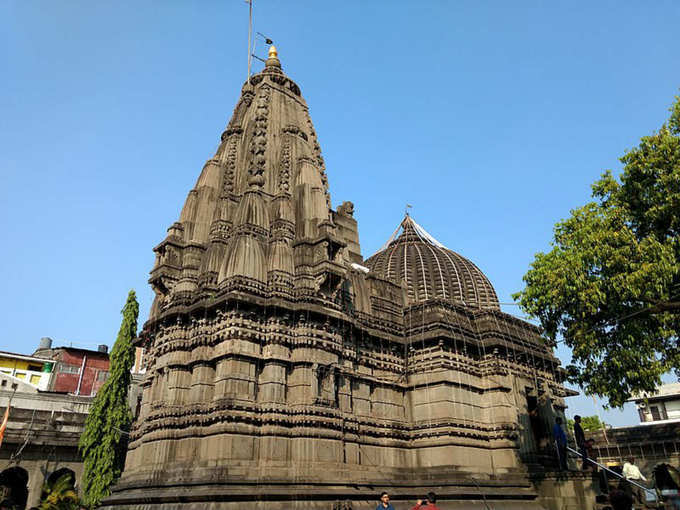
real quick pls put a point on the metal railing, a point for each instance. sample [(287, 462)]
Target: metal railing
[(646, 489)]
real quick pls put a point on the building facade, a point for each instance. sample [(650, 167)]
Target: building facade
[(662, 405), (49, 403), (77, 371), (285, 371), (42, 433), (33, 370)]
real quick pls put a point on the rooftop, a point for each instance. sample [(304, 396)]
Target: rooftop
[(430, 270), (663, 391), (14, 355)]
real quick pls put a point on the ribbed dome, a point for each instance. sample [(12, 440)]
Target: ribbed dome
[(430, 270)]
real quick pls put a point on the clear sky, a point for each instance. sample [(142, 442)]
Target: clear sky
[(491, 118)]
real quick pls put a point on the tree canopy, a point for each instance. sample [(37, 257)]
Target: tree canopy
[(589, 424), (103, 443), (610, 285)]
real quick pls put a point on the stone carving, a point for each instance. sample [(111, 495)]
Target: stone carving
[(295, 375), (232, 131), (230, 167), (294, 130), (248, 97), (284, 171), (286, 83), (258, 144), (346, 209)]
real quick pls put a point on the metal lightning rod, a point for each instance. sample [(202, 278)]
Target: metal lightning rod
[(250, 35)]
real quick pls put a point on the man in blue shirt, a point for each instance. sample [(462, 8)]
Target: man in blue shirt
[(384, 502), (560, 443)]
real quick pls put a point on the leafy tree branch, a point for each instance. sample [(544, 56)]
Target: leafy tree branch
[(610, 285)]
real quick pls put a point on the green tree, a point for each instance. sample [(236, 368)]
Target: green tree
[(103, 443), (610, 285), (588, 424), (592, 424), (60, 496)]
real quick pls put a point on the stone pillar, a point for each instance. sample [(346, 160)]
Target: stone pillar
[(202, 383), (302, 385), (361, 398), (235, 378), (179, 382), (272, 383), (345, 394)]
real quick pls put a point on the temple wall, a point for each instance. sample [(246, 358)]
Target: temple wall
[(466, 409), (567, 492)]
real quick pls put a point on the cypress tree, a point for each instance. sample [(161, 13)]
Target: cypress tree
[(103, 443)]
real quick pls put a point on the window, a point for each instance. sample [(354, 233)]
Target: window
[(65, 368), (656, 415), (34, 368), (643, 417), (102, 375)]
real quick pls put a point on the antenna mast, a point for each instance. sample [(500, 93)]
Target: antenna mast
[(250, 34)]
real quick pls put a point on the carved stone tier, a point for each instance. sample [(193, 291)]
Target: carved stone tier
[(285, 372)]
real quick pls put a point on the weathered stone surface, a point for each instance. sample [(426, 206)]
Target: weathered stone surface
[(286, 374)]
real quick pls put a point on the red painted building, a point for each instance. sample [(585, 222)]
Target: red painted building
[(78, 371)]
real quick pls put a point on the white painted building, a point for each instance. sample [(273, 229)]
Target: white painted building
[(660, 406)]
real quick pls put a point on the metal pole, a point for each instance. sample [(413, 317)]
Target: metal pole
[(82, 371), (250, 35)]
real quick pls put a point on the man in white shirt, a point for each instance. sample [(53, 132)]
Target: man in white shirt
[(632, 473)]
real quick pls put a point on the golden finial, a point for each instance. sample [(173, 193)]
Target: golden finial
[(272, 52)]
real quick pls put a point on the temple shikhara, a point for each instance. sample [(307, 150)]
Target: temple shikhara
[(285, 370)]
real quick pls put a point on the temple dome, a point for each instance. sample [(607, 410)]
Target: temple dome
[(430, 270)]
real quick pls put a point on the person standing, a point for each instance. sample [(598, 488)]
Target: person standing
[(632, 473), (601, 473), (580, 438), (560, 443), (428, 503), (384, 502)]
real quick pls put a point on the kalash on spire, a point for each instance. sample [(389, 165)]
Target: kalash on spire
[(280, 361)]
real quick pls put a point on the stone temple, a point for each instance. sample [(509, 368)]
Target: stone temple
[(287, 371)]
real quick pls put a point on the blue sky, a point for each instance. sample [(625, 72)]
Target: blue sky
[(491, 118)]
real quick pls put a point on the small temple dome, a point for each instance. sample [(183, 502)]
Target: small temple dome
[(430, 270)]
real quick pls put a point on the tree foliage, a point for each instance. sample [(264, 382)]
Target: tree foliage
[(610, 285), (60, 496), (589, 424), (103, 443)]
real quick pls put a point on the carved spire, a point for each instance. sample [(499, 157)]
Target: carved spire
[(264, 187), (280, 261)]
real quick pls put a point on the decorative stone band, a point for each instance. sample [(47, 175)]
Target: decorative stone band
[(175, 422), (227, 328)]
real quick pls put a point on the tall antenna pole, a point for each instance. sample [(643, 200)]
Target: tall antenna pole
[(250, 35)]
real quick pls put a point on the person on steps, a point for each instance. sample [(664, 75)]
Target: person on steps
[(580, 438), (632, 473), (560, 443)]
